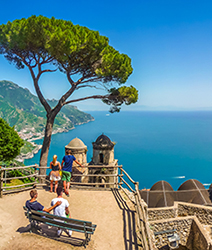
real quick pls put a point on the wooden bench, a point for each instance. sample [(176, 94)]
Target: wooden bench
[(81, 226)]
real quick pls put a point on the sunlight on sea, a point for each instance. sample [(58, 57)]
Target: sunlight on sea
[(151, 146)]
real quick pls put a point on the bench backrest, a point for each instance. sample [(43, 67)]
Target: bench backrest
[(68, 223)]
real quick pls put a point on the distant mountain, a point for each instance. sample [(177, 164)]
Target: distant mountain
[(22, 109)]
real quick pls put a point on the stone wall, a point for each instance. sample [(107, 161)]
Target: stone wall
[(188, 220), (180, 209), (203, 213), (162, 213), (80, 155), (197, 239), (182, 226), (108, 156)]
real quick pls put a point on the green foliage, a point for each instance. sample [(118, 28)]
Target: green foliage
[(47, 44), (25, 36), (114, 66), (21, 173), (74, 49), (86, 52), (27, 147), (121, 95), (10, 142), (17, 173)]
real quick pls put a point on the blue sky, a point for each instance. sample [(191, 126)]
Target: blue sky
[(169, 42)]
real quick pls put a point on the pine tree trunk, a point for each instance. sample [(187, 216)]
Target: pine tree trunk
[(46, 145)]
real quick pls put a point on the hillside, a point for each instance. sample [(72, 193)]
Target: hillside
[(22, 109)]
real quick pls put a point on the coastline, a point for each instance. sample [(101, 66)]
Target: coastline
[(31, 154)]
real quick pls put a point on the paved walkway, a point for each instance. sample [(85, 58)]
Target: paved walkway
[(108, 209)]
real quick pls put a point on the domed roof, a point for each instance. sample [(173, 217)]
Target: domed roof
[(103, 142), (161, 185), (162, 194), (166, 201), (76, 143), (194, 191), (191, 184)]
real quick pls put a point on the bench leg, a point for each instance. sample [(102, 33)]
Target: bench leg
[(34, 225), (87, 239)]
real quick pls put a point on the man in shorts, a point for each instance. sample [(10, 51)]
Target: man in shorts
[(33, 204), (67, 170), (62, 210)]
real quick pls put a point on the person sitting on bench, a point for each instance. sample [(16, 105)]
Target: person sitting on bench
[(62, 210), (33, 204)]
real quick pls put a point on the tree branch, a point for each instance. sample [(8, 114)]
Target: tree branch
[(89, 86), (41, 97), (92, 80), (38, 91), (48, 60), (69, 79), (86, 98), (36, 60), (62, 100), (48, 70)]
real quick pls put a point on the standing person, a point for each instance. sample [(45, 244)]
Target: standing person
[(55, 174), (33, 204), (67, 169), (62, 210)]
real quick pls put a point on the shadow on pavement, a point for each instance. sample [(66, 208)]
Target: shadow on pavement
[(129, 230), (51, 232)]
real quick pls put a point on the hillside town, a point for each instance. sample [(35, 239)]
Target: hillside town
[(27, 134)]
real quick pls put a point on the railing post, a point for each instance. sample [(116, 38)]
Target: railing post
[(1, 182), (36, 175), (121, 174), (41, 177)]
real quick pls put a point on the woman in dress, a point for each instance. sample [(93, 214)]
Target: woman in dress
[(55, 174)]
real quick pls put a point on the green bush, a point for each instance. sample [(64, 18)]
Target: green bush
[(10, 142)]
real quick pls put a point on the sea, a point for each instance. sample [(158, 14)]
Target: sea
[(174, 146)]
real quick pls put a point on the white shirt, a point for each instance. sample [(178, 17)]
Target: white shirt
[(60, 210)]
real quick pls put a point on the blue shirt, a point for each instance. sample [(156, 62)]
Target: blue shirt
[(34, 206), (68, 161)]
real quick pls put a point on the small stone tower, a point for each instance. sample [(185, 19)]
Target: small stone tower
[(103, 151), (103, 154), (78, 149)]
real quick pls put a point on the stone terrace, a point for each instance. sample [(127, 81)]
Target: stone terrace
[(110, 210)]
